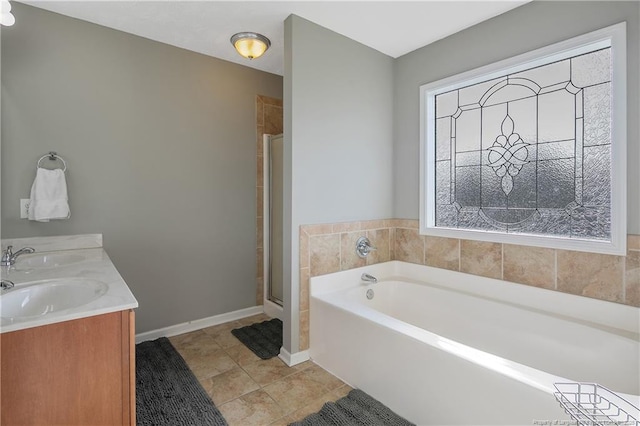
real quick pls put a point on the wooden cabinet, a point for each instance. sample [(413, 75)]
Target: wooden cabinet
[(79, 372)]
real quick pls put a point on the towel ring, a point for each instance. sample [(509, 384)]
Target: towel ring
[(53, 156)]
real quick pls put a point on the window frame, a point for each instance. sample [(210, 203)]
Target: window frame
[(613, 36)]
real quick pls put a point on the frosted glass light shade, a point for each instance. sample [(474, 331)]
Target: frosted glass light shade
[(250, 45), (6, 17)]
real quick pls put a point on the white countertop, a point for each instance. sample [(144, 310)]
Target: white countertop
[(94, 264)]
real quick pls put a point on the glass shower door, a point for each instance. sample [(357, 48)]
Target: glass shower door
[(275, 271)]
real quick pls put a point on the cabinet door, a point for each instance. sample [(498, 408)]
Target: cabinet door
[(73, 373)]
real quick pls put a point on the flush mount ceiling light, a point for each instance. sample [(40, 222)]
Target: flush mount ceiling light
[(6, 18), (250, 45)]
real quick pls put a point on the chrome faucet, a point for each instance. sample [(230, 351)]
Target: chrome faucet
[(6, 284), (364, 247), (9, 257), (369, 278)]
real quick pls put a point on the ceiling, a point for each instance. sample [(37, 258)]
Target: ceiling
[(391, 27)]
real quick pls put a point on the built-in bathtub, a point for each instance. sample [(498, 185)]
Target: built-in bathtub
[(442, 347)]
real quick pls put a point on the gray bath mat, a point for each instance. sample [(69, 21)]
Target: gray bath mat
[(264, 338), (357, 409), (167, 392)]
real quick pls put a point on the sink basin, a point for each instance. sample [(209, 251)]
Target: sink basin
[(47, 260), (48, 296)]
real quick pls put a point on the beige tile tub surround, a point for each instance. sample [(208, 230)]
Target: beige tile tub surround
[(409, 245), (381, 239), (632, 278), (481, 258), (533, 266), (269, 117), (632, 271), (327, 248), (324, 254), (589, 274), (443, 253), (349, 259)]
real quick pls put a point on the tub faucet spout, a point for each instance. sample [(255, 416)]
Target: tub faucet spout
[(369, 278)]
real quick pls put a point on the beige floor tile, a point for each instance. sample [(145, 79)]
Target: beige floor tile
[(196, 344), (268, 371), (221, 328), (229, 385), (283, 421), (254, 319), (317, 374), (317, 404), (313, 407), (304, 365), (242, 355), (255, 408), (226, 339), (232, 376), (186, 339), (295, 391), (341, 392), (211, 364)]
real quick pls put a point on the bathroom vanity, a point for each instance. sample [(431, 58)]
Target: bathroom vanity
[(79, 372), (67, 341)]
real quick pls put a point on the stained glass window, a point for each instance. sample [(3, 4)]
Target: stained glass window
[(528, 152)]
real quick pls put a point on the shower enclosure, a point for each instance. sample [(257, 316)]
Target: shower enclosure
[(273, 212)]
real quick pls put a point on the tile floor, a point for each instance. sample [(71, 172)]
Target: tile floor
[(251, 391)]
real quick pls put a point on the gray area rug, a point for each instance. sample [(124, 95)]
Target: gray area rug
[(264, 338), (357, 408), (167, 392)]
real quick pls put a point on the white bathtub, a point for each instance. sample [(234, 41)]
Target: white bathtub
[(441, 347)]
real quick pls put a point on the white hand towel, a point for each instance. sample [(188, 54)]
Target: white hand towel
[(49, 196)]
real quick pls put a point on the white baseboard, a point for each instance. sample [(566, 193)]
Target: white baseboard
[(293, 359), (187, 327)]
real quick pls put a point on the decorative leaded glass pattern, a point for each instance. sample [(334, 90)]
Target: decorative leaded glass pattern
[(529, 152)]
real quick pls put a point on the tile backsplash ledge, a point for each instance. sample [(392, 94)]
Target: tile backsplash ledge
[(327, 248)]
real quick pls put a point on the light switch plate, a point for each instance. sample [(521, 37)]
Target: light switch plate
[(24, 208)]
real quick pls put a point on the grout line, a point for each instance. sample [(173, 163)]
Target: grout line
[(424, 249), (371, 234), (555, 269), (293, 372), (339, 251), (308, 251), (502, 262), (624, 279)]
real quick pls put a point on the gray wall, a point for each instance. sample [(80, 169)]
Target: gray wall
[(526, 28), (161, 148), (338, 132)]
